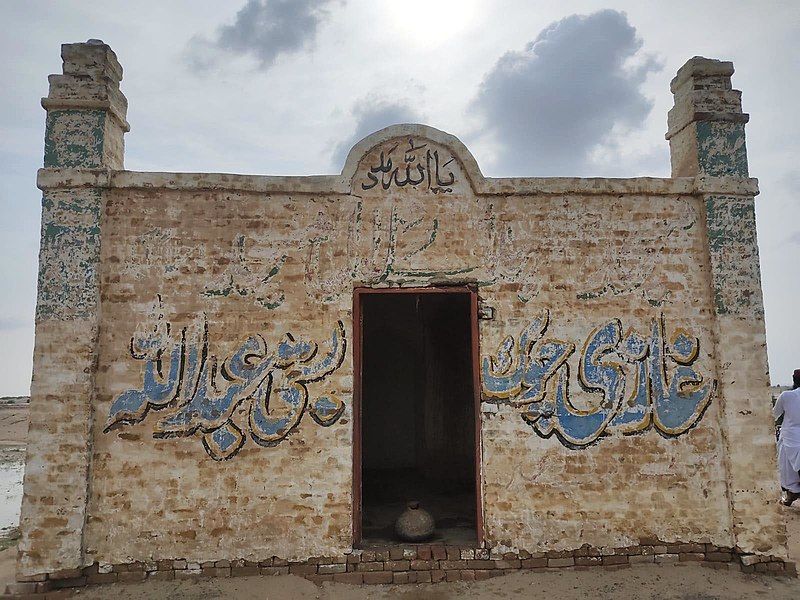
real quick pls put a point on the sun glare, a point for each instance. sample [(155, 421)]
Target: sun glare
[(431, 22)]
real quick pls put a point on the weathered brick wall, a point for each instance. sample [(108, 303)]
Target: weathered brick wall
[(216, 420), (586, 260)]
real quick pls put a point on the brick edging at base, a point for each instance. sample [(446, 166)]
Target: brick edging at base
[(417, 563)]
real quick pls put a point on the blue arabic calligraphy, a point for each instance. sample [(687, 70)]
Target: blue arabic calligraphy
[(202, 395), (671, 400)]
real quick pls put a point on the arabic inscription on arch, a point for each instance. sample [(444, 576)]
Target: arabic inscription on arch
[(410, 163)]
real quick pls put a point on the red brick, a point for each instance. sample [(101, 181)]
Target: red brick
[(719, 556), (480, 564), (103, 577), (376, 577), (565, 562), (424, 553), (403, 577), (506, 563), (131, 576), (187, 574), (397, 565), (691, 556), (297, 569), (615, 559), (467, 575), (351, 578), (451, 576), (69, 582), (62, 574), (422, 565), (534, 563), (437, 576), (370, 566), (439, 552), (331, 569), (650, 541)]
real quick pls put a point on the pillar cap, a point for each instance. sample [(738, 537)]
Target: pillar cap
[(90, 81), (699, 67), (703, 92)]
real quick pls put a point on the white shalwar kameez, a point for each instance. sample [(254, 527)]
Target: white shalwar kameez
[(788, 405)]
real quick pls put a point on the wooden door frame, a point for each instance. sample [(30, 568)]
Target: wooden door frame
[(358, 330)]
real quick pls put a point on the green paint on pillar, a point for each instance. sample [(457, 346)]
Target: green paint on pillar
[(69, 255), (74, 138), (734, 255), (721, 148)]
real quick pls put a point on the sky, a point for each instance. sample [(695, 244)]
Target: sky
[(286, 87)]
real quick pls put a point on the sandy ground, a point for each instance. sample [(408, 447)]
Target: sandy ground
[(645, 582), (670, 582)]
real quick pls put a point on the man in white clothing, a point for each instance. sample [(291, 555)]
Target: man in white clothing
[(788, 405)]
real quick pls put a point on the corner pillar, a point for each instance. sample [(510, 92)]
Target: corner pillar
[(707, 141), (85, 127)]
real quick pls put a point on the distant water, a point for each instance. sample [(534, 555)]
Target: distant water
[(12, 467)]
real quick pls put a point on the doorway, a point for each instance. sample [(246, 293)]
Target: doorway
[(416, 427)]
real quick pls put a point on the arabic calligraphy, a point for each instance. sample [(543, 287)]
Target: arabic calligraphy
[(418, 165), (665, 392), (240, 279), (202, 394)]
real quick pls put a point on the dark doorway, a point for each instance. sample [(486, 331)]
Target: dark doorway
[(417, 411)]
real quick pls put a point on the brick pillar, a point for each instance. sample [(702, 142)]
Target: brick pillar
[(707, 141), (85, 127)]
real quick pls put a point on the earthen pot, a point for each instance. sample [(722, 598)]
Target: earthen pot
[(415, 524)]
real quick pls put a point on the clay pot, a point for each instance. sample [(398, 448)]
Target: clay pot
[(415, 524)]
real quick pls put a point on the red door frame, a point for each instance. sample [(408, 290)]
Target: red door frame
[(357, 372)]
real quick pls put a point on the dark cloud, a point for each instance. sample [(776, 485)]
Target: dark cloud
[(264, 29), (550, 104), (372, 115)]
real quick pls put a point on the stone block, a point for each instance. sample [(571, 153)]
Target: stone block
[(377, 577), (561, 562)]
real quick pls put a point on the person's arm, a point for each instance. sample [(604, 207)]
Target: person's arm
[(777, 410)]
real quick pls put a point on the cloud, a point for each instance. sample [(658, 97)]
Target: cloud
[(372, 114), (263, 29), (794, 238), (550, 105)]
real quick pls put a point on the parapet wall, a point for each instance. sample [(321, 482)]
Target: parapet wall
[(193, 379)]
